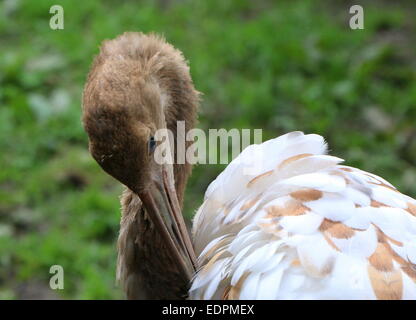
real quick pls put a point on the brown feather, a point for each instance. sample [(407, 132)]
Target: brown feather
[(255, 179), (386, 285), (292, 159), (292, 208), (411, 208), (135, 82), (307, 194), (336, 229)]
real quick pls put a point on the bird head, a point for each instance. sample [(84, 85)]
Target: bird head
[(122, 112), (123, 108)]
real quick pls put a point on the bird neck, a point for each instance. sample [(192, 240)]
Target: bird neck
[(146, 266)]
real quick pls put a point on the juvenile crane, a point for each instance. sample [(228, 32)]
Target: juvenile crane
[(284, 220)]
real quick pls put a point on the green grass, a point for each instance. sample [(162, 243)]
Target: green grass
[(292, 66)]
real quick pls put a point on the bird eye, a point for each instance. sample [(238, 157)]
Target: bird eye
[(152, 144)]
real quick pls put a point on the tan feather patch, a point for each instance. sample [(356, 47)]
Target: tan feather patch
[(227, 210), (381, 259), (330, 242), (292, 208), (411, 208), (218, 245), (406, 266), (377, 204), (318, 271), (250, 203), (395, 242), (381, 184), (270, 227), (294, 158), (295, 263), (347, 169), (211, 261), (255, 179), (386, 285), (395, 256), (234, 292), (382, 237), (306, 194), (336, 229), (373, 178), (410, 270), (226, 293)]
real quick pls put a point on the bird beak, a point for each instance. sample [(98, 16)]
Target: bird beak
[(162, 206)]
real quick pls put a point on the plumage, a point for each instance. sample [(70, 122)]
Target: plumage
[(317, 230)]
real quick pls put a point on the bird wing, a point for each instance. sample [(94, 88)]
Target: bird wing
[(285, 220)]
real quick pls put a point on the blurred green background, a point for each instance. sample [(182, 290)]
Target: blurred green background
[(275, 65)]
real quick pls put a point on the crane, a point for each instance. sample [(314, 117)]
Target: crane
[(297, 225)]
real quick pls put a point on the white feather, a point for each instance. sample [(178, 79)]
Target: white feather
[(319, 181), (269, 283), (302, 224), (296, 258), (333, 207)]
